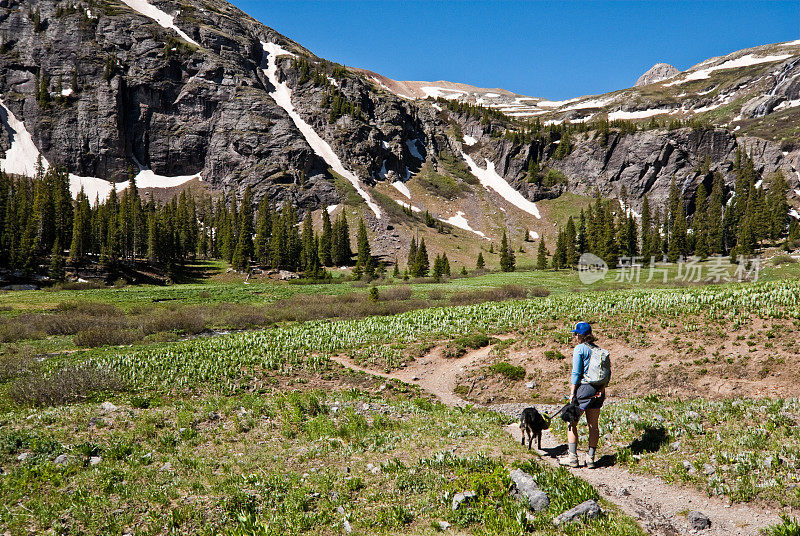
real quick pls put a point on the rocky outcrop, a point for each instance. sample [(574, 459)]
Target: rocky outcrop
[(657, 73), (103, 89)]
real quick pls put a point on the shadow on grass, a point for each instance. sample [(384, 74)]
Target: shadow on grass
[(653, 438)]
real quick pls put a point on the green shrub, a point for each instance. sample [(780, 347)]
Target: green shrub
[(787, 527), (554, 355), (512, 372)]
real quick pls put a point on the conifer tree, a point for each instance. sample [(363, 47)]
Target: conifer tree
[(263, 231), (326, 239), (507, 260), (714, 221), (479, 263), (570, 251), (57, 261), (541, 257), (677, 244), (777, 207), (341, 243), (365, 263), (412, 254), (645, 229), (309, 250), (421, 265)]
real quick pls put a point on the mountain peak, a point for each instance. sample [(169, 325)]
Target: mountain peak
[(657, 73)]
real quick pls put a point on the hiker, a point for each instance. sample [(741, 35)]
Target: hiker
[(591, 371)]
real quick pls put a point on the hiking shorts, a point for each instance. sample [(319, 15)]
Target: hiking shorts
[(585, 395)]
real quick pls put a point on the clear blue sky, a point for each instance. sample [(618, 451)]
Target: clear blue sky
[(540, 48)]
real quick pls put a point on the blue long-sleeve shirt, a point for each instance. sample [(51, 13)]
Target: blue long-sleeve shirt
[(580, 362)]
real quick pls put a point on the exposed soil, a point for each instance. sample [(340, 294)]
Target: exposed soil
[(755, 361), (659, 507)]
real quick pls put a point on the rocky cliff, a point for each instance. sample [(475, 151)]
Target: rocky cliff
[(188, 87), (657, 73)]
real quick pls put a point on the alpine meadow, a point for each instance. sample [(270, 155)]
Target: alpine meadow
[(246, 290)]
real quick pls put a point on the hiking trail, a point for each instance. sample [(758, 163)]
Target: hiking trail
[(660, 508)]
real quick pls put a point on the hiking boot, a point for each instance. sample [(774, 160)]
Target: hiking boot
[(570, 461), (590, 464)]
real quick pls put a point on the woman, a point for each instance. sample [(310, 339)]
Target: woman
[(589, 398)]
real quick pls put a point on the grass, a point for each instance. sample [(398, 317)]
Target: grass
[(285, 462)]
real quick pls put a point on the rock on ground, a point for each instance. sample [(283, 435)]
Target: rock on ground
[(527, 490), (463, 497), (588, 509), (698, 520)]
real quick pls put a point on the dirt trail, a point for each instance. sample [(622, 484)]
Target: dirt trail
[(659, 507)]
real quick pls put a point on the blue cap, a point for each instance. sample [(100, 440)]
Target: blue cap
[(582, 328)]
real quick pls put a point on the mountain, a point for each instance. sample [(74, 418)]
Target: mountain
[(656, 73), (174, 91)]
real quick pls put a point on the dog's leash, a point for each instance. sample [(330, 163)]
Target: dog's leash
[(565, 406)]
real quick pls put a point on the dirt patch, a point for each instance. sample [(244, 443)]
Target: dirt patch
[(755, 361)]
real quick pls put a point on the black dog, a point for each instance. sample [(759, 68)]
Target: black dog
[(532, 423)]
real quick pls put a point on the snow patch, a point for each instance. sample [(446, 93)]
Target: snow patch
[(469, 140), (402, 188), (331, 208), (788, 104), (66, 92), (490, 179), (640, 114), (406, 205), (759, 183), (491, 95), (745, 61), (794, 214), (436, 107), (412, 148), (283, 97), (333, 81), (590, 103), (534, 235), (436, 92), (22, 157), (461, 222), (797, 191), (163, 19)]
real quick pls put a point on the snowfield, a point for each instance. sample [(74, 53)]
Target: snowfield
[(534, 235), (640, 114), (461, 222), (744, 61), (436, 92), (402, 188), (163, 19), (490, 179), (23, 155), (283, 97), (469, 140)]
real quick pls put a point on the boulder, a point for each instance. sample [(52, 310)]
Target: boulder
[(588, 510), (526, 489), (462, 498), (108, 407), (698, 520), (61, 459), (657, 73)]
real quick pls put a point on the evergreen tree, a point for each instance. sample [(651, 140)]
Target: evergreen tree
[(421, 265), (480, 264), (412, 254), (309, 249), (81, 230), (341, 242), (365, 263), (714, 220), (777, 207), (541, 257), (507, 260), (699, 223), (645, 230), (570, 250), (263, 231), (677, 244), (582, 242), (326, 239), (57, 262)]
